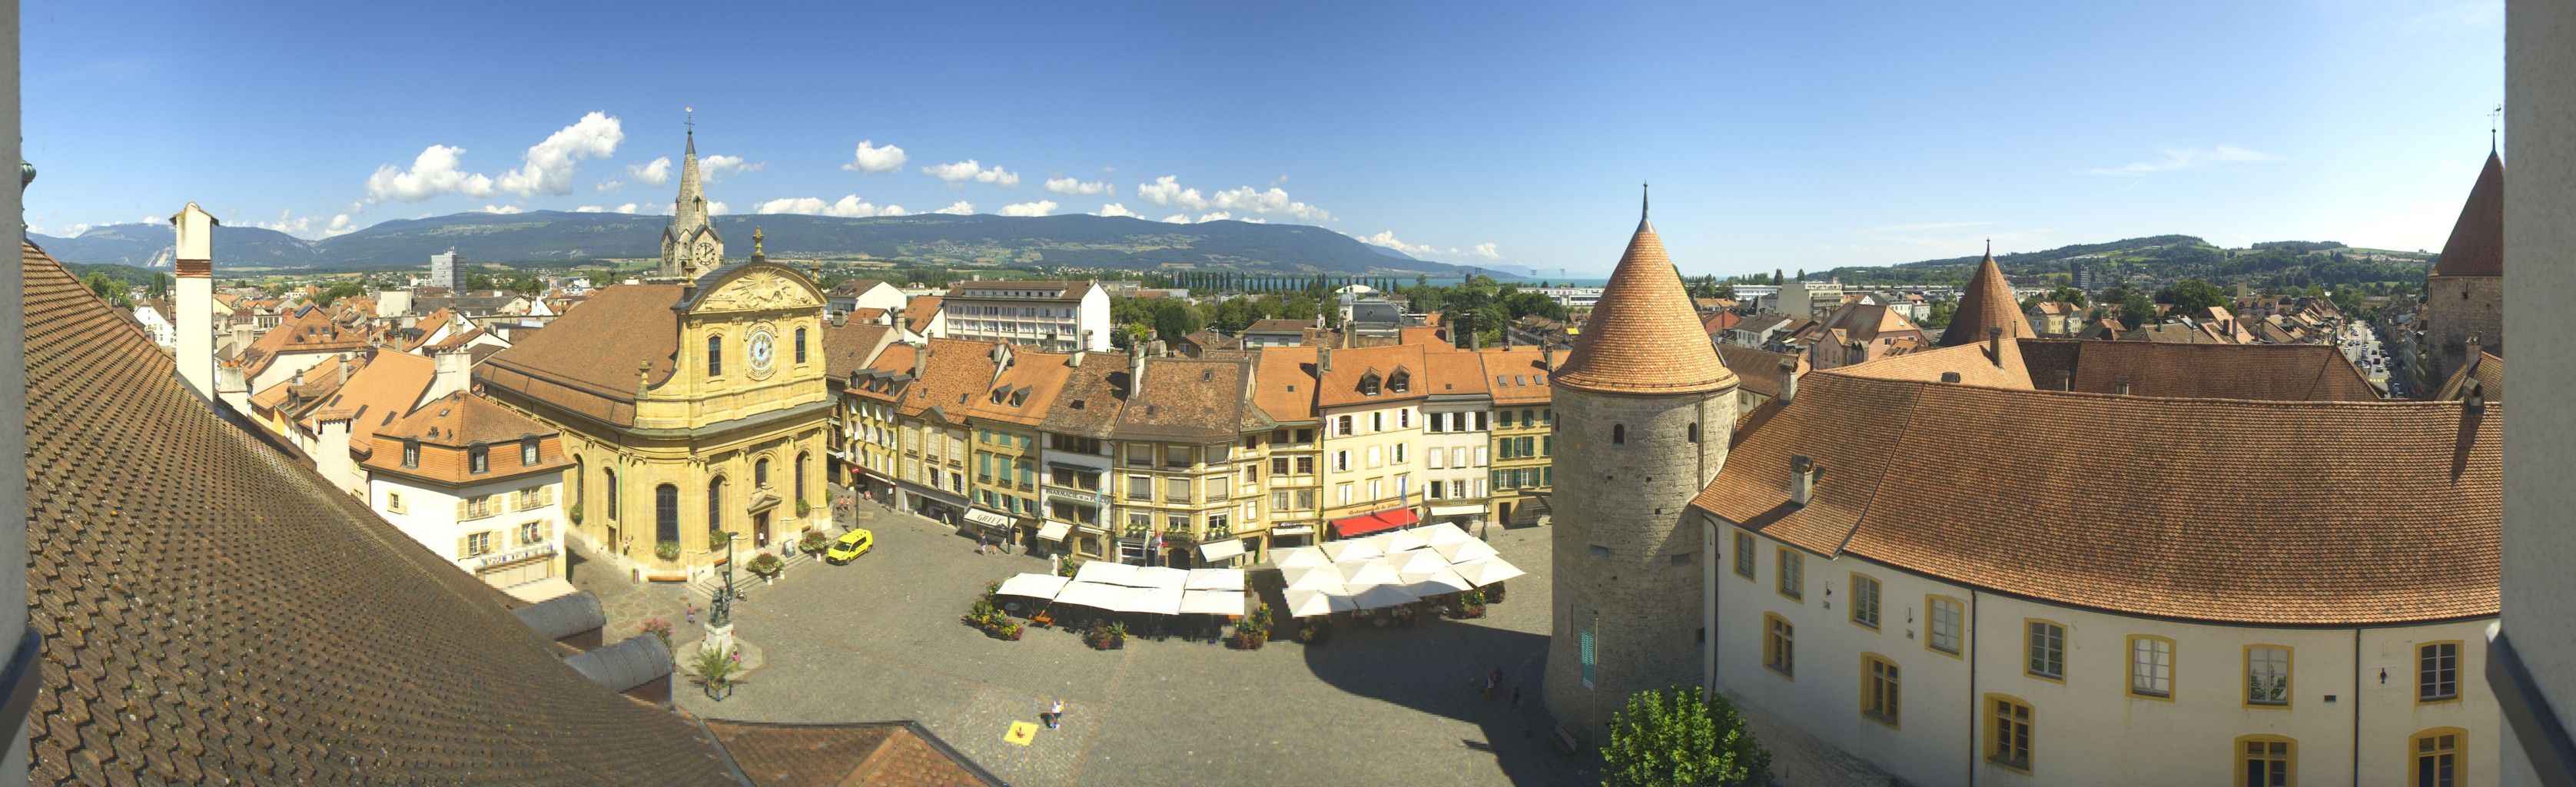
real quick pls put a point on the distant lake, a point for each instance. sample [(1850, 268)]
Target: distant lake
[(1525, 281)]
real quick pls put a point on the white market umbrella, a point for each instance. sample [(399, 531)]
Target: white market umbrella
[(1314, 580), (1405, 540), (1487, 571), (1214, 579), (1307, 604), (1421, 561), (1376, 596), (1033, 585), (1342, 602), (1159, 577), (1105, 572), (1463, 551), (1435, 582), (1374, 572), (1159, 601), (1349, 550), (1212, 602), (1093, 594), (1444, 534), (1299, 557), (1385, 542)]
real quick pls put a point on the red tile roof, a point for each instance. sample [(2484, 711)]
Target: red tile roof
[(1644, 337), (2476, 247), (1987, 302), (2389, 514)]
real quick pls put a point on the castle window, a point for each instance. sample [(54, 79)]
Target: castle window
[(2437, 672), (666, 513), (2268, 760), (1694, 433), (760, 472), (1779, 645), (1948, 624), (1864, 601), (1744, 554), (2151, 667), (2047, 645), (1793, 577), (1879, 699), (2437, 757), (2267, 675), (1618, 434), (2010, 721), (800, 345)]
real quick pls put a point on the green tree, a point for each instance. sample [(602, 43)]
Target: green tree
[(2193, 296), (1174, 319), (477, 282), (113, 291), (160, 287), (1939, 315), (2136, 310), (2067, 294), (1671, 738), (338, 291)]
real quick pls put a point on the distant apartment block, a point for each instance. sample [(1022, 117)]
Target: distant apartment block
[(1053, 316)]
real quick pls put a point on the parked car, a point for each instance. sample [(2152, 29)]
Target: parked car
[(849, 546)]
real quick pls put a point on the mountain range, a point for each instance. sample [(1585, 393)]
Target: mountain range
[(2168, 258), (537, 238)]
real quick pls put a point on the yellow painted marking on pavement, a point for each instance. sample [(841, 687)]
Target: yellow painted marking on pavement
[(1021, 733)]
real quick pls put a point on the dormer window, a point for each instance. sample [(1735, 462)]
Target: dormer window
[(527, 452), (1368, 384), (1401, 382), (411, 452), (478, 458)]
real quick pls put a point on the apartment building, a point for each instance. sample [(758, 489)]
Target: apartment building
[(1524, 421), (1284, 389), (1457, 422), (1055, 316), (1370, 401), (1190, 464)]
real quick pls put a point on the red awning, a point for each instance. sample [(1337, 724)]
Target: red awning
[(1364, 524)]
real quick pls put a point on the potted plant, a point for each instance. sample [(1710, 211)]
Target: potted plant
[(574, 513), (1108, 636), (1009, 631), (813, 542), (716, 538), (716, 668), (804, 509), (1316, 632), (767, 565), (1068, 568), (660, 628), (1471, 604), (667, 550), (1493, 593), (1254, 629)]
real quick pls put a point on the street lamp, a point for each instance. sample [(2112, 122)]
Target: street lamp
[(720, 615)]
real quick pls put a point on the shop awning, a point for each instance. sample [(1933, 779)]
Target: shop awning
[(987, 518), (1221, 550), (1467, 510), (1293, 530), (1054, 531), (1364, 524)]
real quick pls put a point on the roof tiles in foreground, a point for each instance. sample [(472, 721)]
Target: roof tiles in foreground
[(214, 612), (2389, 514), (1644, 336)]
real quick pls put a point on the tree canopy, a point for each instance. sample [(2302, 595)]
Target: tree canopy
[(1672, 738)]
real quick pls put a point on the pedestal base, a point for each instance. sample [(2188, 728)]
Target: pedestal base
[(718, 638)]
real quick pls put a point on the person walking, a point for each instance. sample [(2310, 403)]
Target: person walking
[(1055, 715)]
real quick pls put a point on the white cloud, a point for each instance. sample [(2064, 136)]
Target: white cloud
[(289, 223), (893, 210), (340, 225), (1177, 218), (590, 209), (503, 210), (1038, 208), (1166, 190), (433, 172), (958, 172), (70, 231), (656, 173), (606, 186), (549, 164), (1387, 238), (1184, 218), (1115, 209), (849, 206), (1488, 251), (1079, 186), (716, 208), (1254, 220), (626, 208), (2185, 158), (872, 159), (1274, 200), (958, 208), (716, 167)]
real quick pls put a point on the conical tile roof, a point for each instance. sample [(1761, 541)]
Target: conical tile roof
[(1643, 336), (1987, 302), (2476, 247)]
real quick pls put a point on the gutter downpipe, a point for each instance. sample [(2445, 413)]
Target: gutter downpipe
[(1975, 703), (2356, 707)]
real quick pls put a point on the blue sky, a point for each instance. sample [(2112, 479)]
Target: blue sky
[(1509, 135)]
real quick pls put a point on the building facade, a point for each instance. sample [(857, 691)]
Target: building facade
[(1054, 316), (474, 482)]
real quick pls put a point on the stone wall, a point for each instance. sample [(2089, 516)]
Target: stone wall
[(1620, 513), (2456, 309)]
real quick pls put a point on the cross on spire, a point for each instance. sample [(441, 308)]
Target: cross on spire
[(2495, 121)]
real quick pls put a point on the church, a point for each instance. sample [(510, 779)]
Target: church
[(692, 404)]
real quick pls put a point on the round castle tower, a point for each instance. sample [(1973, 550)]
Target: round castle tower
[(1644, 410)]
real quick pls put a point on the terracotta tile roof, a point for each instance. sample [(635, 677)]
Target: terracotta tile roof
[(2476, 247), (384, 390), (849, 345), (892, 754), (1024, 391), (2267, 372), (1519, 373), (586, 360), (957, 373), (1643, 336), (918, 312), (1340, 385), (1284, 386), (446, 427), (1092, 396), (2169, 332), (1457, 373), (2483, 374), (2389, 515), (1719, 322), (1426, 335), (1760, 368), (1278, 326), (307, 332), (1188, 399), (1987, 302), (1972, 362), (215, 613)]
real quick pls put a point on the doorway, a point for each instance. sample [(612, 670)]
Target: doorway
[(760, 528)]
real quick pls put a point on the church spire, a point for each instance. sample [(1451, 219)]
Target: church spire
[(690, 245)]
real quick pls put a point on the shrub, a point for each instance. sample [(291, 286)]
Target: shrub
[(1069, 568), (667, 550), (1672, 737), (804, 508), (716, 538), (574, 513), (715, 668), (659, 627), (813, 542), (766, 565), (1107, 636), (1314, 633)]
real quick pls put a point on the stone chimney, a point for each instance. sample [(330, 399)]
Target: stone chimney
[(1547, 355), (2065, 379), (454, 372), (921, 361), (1803, 474), (1995, 345), (1788, 380), (232, 385), (195, 260), (331, 449), (344, 368), (1135, 369), (1078, 350), (1323, 359), (2121, 384)]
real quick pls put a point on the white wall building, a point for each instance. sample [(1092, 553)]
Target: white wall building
[(477, 484), (850, 296), (158, 325), (1053, 316)]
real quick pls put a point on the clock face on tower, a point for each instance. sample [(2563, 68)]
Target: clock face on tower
[(763, 350)]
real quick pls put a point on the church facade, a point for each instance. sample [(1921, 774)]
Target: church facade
[(691, 408)]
